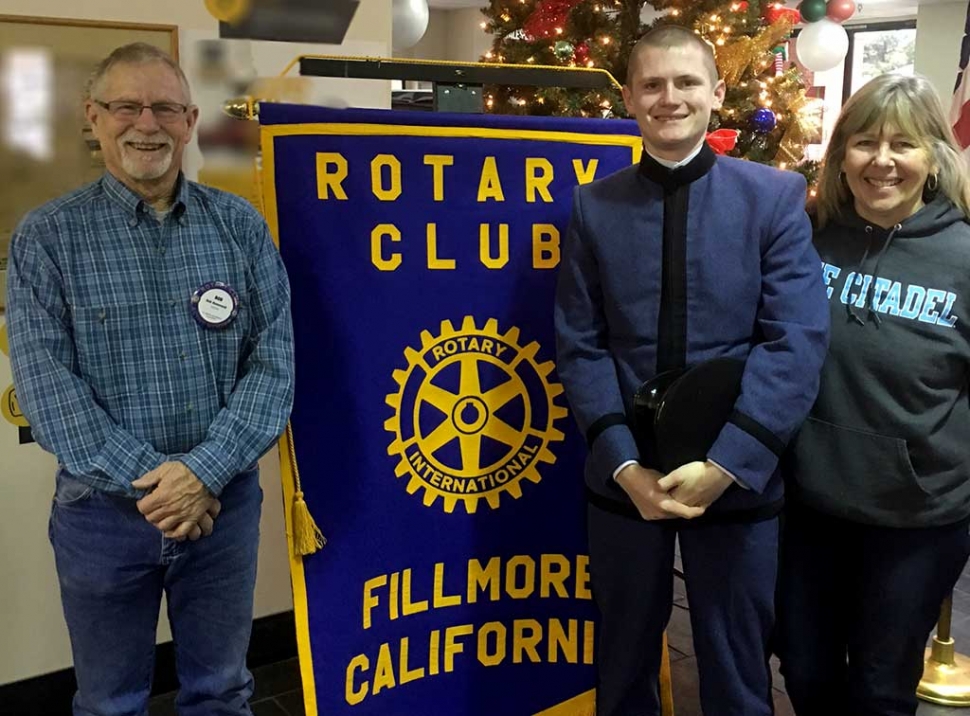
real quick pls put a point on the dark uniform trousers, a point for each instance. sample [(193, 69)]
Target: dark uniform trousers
[(730, 571)]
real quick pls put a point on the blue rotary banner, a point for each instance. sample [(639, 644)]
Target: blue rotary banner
[(431, 433)]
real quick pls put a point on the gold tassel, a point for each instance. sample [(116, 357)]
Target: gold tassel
[(307, 537)]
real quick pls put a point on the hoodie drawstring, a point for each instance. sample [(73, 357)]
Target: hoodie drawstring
[(849, 313), (871, 313)]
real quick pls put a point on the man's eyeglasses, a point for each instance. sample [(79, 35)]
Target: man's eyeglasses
[(163, 111)]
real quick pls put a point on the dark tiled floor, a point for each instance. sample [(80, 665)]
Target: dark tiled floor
[(684, 665), (278, 691)]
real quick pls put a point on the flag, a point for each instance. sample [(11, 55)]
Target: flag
[(960, 113), (433, 442)]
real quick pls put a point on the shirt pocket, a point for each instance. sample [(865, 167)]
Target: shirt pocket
[(115, 347), (225, 350)]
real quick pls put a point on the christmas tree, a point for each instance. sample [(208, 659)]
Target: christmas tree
[(765, 106)]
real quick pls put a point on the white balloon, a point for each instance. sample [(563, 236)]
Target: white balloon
[(822, 45), (409, 23)]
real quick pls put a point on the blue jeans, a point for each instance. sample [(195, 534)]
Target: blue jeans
[(113, 567), (856, 604)]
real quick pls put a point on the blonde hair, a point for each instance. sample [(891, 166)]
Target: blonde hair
[(667, 36), (136, 53), (912, 106)]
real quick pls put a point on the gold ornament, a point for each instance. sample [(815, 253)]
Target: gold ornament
[(733, 58), (231, 11), (240, 108), (791, 149)]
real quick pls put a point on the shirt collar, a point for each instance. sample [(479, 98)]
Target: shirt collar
[(670, 179), (135, 207), (681, 163)]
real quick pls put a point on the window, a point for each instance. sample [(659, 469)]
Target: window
[(27, 86), (874, 49), (876, 52)]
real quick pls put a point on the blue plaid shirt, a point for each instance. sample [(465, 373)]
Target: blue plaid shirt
[(111, 369)]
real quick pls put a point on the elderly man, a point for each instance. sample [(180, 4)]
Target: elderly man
[(151, 346)]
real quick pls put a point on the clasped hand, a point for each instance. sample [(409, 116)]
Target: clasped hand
[(177, 503), (686, 492)]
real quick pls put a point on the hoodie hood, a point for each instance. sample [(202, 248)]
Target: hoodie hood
[(931, 219)]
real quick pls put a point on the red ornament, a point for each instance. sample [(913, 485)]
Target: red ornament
[(582, 53), (723, 141), (547, 17), (839, 10), (776, 11)]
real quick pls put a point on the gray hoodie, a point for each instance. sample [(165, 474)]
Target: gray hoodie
[(888, 440)]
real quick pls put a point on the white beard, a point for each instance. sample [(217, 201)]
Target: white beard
[(136, 166)]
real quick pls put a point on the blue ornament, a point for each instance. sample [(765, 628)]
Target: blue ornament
[(763, 120)]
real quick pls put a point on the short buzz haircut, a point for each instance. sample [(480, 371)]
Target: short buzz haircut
[(667, 36), (136, 53)]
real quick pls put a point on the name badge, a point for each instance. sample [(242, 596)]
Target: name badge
[(215, 305)]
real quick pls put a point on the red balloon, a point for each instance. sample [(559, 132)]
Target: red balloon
[(840, 10)]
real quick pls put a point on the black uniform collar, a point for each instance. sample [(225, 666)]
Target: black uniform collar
[(670, 179)]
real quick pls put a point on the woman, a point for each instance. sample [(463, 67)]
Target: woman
[(876, 530)]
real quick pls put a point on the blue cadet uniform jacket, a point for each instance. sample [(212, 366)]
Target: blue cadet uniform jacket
[(668, 268)]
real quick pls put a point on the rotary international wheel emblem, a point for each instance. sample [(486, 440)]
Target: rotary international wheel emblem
[(473, 415)]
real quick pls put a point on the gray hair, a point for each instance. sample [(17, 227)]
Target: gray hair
[(136, 53)]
